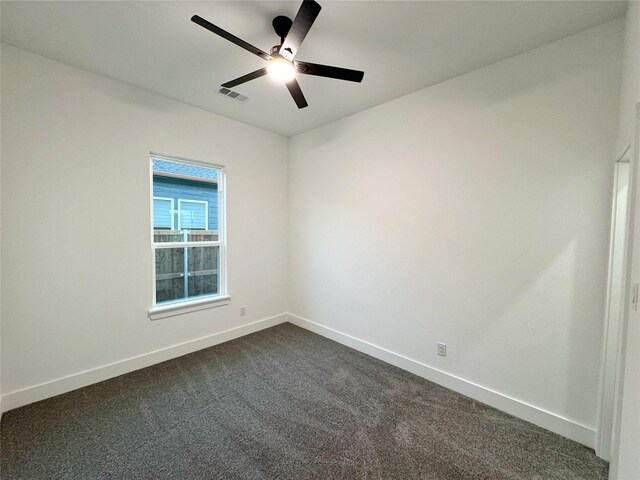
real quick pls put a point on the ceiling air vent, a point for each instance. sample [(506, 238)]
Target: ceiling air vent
[(232, 95)]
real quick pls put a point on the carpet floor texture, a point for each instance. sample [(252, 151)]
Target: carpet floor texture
[(283, 403)]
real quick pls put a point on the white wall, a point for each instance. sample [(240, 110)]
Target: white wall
[(76, 259), (475, 213), (626, 464)]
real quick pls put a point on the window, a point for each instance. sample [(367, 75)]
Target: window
[(188, 241), (193, 214), (163, 212)]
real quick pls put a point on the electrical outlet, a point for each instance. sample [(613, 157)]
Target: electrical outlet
[(243, 311), (442, 349)]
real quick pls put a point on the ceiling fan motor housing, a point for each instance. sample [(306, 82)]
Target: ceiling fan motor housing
[(275, 52)]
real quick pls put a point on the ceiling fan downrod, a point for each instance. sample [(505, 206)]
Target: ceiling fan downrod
[(282, 25)]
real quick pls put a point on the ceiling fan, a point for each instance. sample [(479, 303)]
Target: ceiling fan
[(281, 59)]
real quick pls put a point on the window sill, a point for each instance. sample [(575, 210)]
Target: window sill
[(171, 310)]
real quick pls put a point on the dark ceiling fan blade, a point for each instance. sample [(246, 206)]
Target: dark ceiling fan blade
[(296, 93), (246, 78), (330, 72), (232, 38), (305, 17)]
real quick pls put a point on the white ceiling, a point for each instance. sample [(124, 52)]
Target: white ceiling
[(402, 46)]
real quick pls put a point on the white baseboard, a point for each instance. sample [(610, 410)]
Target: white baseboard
[(25, 396), (538, 416)]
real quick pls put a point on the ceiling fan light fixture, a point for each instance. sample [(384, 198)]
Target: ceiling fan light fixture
[(281, 69)]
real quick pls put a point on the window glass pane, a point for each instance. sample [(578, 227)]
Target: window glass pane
[(198, 265), (193, 215), (195, 195), (203, 271), (170, 276)]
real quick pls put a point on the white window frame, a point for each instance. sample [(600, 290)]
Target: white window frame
[(172, 210), (206, 212), (182, 306)]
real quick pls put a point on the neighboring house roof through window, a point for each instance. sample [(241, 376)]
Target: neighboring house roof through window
[(184, 170)]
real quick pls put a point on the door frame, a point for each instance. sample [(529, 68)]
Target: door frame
[(612, 356), (608, 425)]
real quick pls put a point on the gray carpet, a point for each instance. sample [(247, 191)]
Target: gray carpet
[(281, 403)]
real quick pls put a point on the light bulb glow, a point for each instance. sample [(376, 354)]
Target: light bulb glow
[(281, 69)]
